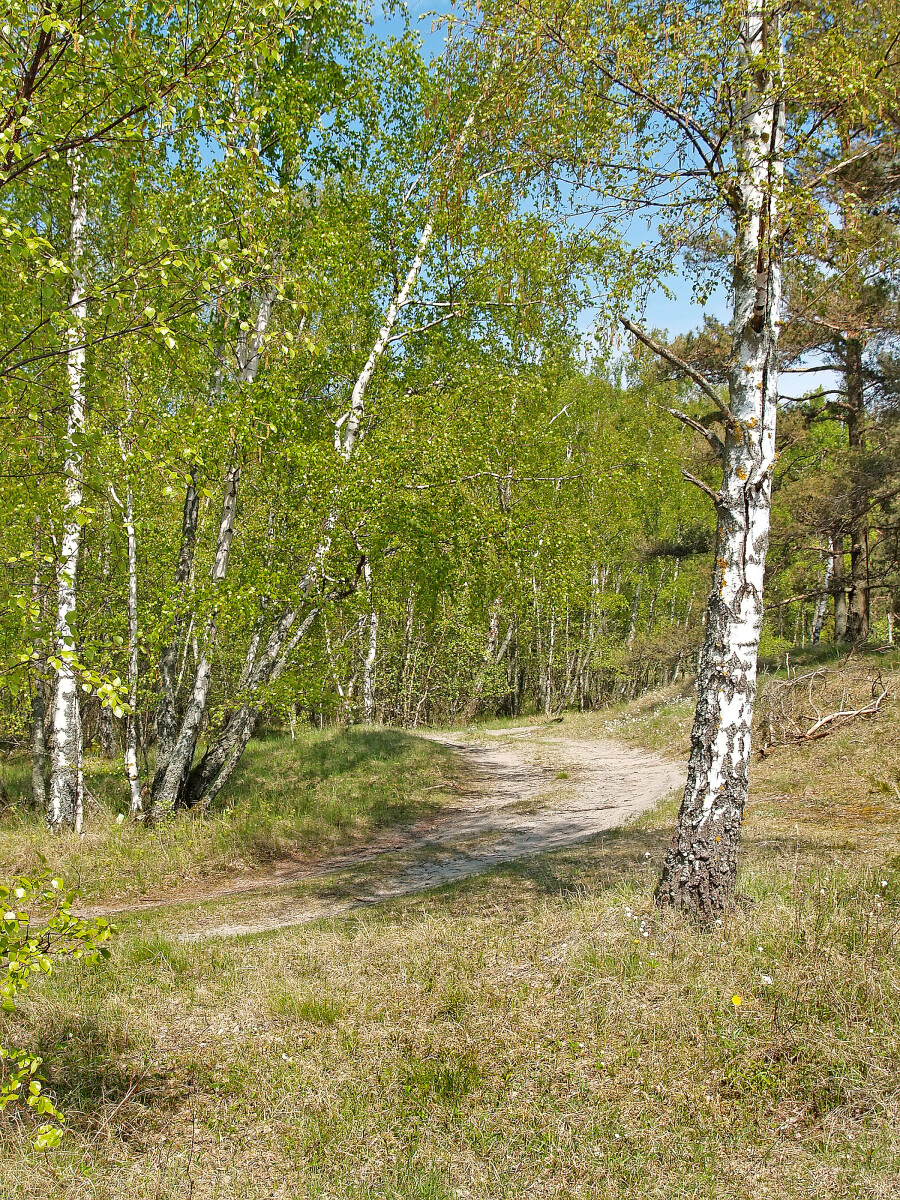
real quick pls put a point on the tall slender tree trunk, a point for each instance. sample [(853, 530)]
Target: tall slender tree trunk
[(548, 672), (39, 741), (368, 674), (176, 755), (171, 775), (700, 869), (635, 609), (488, 660), (131, 740), (858, 594), (840, 591), (166, 710), (66, 800), (655, 597), (822, 604), (216, 767)]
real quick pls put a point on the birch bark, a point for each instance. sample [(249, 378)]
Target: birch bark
[(171, 775), (822, 603), (225, 750), (166, 712), (700, 869), (176, 756), (368, 675), (131, 765), (64, 810)]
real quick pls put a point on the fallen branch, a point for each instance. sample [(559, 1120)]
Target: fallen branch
[(825, 725)]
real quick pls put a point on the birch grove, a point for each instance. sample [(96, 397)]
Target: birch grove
[(331, 391)]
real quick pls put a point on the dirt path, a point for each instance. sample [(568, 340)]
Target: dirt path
[(529, 790)]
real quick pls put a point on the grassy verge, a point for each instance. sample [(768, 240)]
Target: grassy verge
[(539, 1031), (320, 794)]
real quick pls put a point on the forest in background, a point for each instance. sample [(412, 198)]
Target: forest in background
[(300, 420)]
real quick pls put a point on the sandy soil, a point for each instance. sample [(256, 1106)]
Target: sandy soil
[(528, 790)]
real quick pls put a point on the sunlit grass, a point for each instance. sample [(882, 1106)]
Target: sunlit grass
[(309, 797), (539, 1031)]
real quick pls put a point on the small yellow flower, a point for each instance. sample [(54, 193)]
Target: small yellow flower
[(737, 1001)]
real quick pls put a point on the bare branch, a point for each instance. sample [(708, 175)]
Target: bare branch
[(811, 370), (398, 337), (714, 440), (825, 725), (867, 152), (504, 475), (705, 386), (716, 497)]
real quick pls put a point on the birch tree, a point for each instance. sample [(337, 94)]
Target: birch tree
[(175, 750), (224, 752), (66, 798), (702, 93), (700, 869)]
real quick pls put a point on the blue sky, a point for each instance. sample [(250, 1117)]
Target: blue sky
[(676, 313)]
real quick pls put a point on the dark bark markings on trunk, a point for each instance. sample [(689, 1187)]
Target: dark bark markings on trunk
[(700, 868)]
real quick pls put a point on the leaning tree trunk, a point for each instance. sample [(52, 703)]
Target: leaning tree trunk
[(217, 765), (225, 750), (175, 756), (700, 869), (172, 772), (166, 711), (65, 804)]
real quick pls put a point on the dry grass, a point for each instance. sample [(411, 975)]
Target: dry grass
[(539, 1031)]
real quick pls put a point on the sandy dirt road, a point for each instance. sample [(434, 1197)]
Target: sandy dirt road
[(527, 790)]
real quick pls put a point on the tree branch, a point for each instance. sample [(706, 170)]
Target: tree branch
[(398, 337), (703, 384), (714, 440), (716, 497)]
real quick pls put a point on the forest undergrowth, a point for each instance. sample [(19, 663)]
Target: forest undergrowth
[(540, 1030)]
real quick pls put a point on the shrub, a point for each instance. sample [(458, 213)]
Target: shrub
[(37, 926)]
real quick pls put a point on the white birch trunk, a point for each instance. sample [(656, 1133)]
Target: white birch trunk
[(64, 809), (170, 780), (635, 609), (822, 605), (700, 869), (368, 679), (358, 395), (131, 764), (223, 754)]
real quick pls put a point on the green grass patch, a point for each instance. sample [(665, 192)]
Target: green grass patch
[(305, 798), (537, 1031), (307, 1008)]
